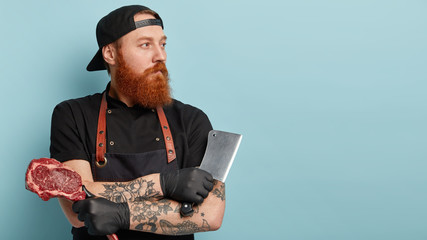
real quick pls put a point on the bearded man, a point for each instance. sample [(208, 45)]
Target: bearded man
[(134, 146)]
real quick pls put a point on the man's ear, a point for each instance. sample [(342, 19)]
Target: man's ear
[(109, 53)]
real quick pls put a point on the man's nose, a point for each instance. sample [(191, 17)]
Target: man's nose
[(159, 55)]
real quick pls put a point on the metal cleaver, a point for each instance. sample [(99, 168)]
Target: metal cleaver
[(219, 155)]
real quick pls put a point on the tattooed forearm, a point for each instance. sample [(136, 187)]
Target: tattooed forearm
[(136, 190), (186, 227), (162, 216), (153, 216), (219, 192), (146, 213)]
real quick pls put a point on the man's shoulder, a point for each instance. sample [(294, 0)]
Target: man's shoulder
[(184, 107), (186, 112), (87, 102)]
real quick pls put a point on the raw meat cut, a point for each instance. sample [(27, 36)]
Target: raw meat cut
[(49, 178)]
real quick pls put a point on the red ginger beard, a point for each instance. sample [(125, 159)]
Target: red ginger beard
[(148, 89)]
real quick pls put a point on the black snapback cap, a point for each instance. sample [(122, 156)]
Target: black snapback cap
[(114, 26)]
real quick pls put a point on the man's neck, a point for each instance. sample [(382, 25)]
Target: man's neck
[(114, 93)]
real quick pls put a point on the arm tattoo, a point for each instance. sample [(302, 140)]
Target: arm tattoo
[(136, 190), (146, 213), (220, 192), (186, 227), (150, 216)]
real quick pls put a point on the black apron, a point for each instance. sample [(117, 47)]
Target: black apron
[(126, 167)]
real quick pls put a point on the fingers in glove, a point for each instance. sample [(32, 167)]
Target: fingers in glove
[(202, 173), (203, 193), (209, 177), (97, 230), (91, 230), (208, 185), (87, 223), (77, 208), (198, 199)]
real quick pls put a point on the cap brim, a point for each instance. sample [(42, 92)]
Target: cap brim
[(97, 62)]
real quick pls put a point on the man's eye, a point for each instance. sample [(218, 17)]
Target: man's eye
[(145, 45), (164, 45)]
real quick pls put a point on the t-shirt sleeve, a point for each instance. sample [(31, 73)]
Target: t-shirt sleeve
[(198, 139), (65, 140)]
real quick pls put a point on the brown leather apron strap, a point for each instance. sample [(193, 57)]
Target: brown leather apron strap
[(167, 135), (101, 138)]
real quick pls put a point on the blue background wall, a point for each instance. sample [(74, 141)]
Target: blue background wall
[(329, 95)]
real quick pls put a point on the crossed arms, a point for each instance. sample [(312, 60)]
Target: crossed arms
[(149, 210)]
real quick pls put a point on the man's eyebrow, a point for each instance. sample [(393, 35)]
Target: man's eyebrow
[(163, 38)]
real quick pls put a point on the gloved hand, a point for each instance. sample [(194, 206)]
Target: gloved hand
[(186, 185), (101, 216)]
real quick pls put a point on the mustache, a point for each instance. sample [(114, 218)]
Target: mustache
[(160, 66)]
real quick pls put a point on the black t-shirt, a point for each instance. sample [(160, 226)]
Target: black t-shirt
[(130, 130)]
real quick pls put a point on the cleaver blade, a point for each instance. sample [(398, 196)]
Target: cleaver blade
[(220, 152), (219, 156)]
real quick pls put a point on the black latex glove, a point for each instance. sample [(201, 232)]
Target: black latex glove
[(186, 185), (101, 216)]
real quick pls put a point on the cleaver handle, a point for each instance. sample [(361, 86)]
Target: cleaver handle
[(186, 209)]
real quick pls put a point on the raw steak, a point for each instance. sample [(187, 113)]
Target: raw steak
[(49, 178)]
